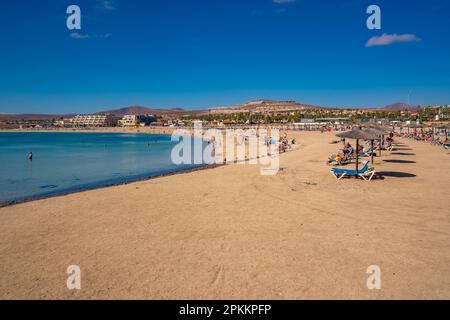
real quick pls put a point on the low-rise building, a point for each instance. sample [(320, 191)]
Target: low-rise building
[(129, 121), (136, 120), (92, 120), (26, 123)]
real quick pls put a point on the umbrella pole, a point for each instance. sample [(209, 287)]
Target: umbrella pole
[(357, 154), (381, 144), (371, 153)]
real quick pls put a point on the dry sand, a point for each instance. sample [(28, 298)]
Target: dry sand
[(230, 233)]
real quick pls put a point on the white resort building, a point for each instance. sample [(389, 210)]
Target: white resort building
[(92, 121), (136, 120), (129, 121)]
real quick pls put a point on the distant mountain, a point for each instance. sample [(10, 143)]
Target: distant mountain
[(137, 110), (399, 106), (252, 106), (272, 105), (133, 110)]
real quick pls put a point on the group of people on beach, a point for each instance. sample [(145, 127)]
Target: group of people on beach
[(428, 136), (284, 144), (344, 154), (347, 152)]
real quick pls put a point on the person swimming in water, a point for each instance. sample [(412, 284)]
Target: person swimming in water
[(30, 156)]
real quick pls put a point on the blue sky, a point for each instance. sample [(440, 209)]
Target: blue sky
[(201, 53)]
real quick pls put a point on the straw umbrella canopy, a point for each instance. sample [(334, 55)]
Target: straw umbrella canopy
[(414, 126), (359, 124), (406, 126), (379, 133), (357, 134), (381, 127), (445, 127), (376, 131), (437, 126), (380, 130), (378, 126), (429, 126), (385, 129)]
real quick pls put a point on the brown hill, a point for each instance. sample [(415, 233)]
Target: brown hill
[(399, 106), (137, 110), (271, 105), (266, 105)]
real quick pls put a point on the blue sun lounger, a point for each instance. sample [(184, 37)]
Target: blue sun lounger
[(365, 172)]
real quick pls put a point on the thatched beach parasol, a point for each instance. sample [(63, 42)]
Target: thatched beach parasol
[(379, 133), (444, 127), (382, 130), (414, 126), (358, 134)]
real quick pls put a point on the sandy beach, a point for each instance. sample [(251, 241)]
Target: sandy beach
[(231, 233)]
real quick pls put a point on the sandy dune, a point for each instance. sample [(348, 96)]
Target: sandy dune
[(231, 233)]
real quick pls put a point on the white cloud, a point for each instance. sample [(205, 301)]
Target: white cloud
[(387, 39), (77, 35), (106, 35), (283, 1), (108, 5)]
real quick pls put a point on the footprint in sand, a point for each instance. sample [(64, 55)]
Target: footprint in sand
[(218, 274)]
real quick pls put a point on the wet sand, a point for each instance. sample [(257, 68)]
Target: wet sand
[(230, 233)]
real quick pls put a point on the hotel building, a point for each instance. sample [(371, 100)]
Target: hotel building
[(135, 120), (92, 121)]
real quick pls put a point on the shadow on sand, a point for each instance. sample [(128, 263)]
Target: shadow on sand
[(403, 154), (399, 161), (402, 149), (396, 174)]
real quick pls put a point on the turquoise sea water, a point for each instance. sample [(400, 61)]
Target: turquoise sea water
[(69, 162)]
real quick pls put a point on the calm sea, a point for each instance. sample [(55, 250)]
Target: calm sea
[(69, 162)]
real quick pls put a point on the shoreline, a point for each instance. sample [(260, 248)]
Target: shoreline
[(109, 185), (100, 185), (96, 185), (144, 130)]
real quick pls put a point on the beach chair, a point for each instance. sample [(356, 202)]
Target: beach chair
[(368, 151), (365, 172), (342, 161), (390, 147)]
